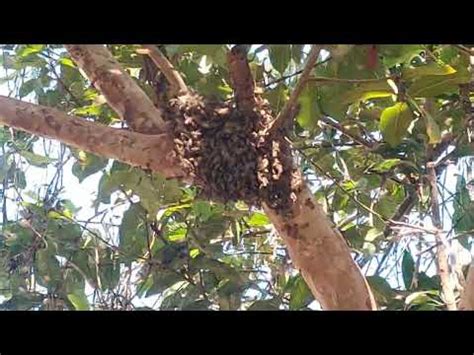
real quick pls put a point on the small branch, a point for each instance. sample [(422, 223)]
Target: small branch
[(241, 79), (467, 298), (464, 49), (441, 252), (285, 77), (178, 86), (322, 79), (288, 112), (345, 132), (405, 207)]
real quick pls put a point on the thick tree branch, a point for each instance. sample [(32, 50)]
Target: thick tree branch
[(145, 151), (119, 89), (289, 110), (241, 79), (177, 84), (321, 254)]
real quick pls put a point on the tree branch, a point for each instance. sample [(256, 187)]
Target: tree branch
[(177, 84), (145, 151), (241, 79), (347, 133), (118, 88), (288, 112), (321, 254), (441, 252), (467, 297), (322, 79)]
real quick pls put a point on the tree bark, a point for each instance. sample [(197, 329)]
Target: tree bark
[(321, 254), (467, 297), (154, 152), (107, 75)]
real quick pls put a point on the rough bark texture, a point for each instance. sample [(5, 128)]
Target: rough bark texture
[(447, 284), (319, 251), (177, 84), (106, 74), (241, 79), (467, 298), (153, 152)]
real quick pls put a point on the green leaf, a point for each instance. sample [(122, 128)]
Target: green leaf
[(48, 270), (431, 68), (463, 217), (308, 113), (280, 56), (418, 298), (133, 233), (300, 295), (386, 165), (394, 122), (79, 300), (434, 85), (399, 54), (67, 62), (408, 269), (30, 49), (36, 159), (277, 97), (109, 270), (382, 291), (162, 280), (258, 219), (432, 129), (88, 164), (265, 305), (27, 87)]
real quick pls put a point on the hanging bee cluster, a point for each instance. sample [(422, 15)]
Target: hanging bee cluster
[(230, 156)]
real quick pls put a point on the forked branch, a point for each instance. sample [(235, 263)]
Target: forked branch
[(118, 88), (177, 84), (288, 112)]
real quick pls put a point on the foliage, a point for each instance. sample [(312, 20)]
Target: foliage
[(367, 126)]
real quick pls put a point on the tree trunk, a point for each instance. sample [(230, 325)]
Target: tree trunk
[(321, 254)]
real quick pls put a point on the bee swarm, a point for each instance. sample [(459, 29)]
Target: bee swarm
[(229, 155)]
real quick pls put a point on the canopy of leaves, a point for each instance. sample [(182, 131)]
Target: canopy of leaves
[(370, 120)]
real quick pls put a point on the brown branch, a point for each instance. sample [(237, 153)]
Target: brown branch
[(145, 151), (177, 84), (241, 79), (118, 88), (322, 79), (285, 117), (467, 297), (347, 133), (441, 252), (321, 254), (298, 72)]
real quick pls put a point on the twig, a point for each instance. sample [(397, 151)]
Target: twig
[(442, 252), (464, 49), (322, 79), (345, 132), (178, 86), (287, 114), (285, 77)]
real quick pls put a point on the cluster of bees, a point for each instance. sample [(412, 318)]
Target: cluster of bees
[(229, 155)]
